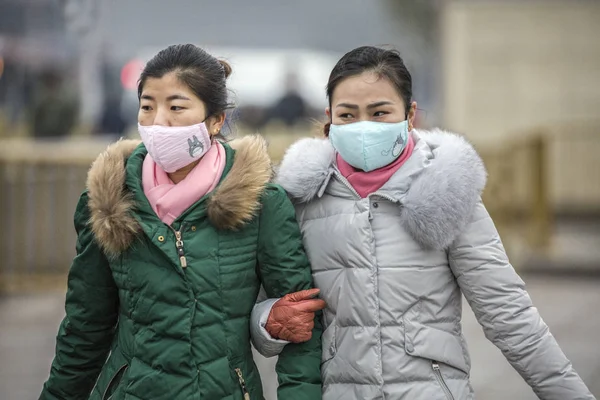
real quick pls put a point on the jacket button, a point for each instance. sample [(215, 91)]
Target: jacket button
[(161, 239), (409, 348), (375, 205), (194, 228)]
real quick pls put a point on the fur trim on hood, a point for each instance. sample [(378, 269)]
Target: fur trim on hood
[(439, 201), (235, 201)]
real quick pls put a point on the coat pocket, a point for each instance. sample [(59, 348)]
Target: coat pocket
[(440, 378), (328, 343), (114, 382), (434, 344)]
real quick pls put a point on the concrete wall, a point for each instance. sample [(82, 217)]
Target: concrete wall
[(513, 66)]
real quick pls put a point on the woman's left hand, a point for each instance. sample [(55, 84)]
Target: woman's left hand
[(292, 317)]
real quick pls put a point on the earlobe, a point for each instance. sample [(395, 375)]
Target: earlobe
[(216, 129), (215, 124), (219, 127)]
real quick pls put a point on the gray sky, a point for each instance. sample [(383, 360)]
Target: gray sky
[(331, 25)]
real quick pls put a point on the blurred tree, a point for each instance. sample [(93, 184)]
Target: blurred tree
[(54, 110)]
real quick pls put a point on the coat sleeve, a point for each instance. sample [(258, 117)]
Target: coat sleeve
[(86, 332), (284, 268), (264, 343), (504, 309)]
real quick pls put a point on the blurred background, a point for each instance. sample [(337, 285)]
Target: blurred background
[(520, 79)]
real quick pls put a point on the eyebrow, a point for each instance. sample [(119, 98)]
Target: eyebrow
[(347, 105), (372, 105), (177, 97), (170, 98), (379, 104)]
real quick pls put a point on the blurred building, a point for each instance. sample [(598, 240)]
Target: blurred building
[(513, 67)]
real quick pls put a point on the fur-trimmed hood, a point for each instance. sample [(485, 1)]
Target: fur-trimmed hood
[(438, 187), (235, 201)]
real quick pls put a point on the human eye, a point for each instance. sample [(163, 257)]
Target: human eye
[(380, 113)]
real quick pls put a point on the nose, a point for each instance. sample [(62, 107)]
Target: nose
[(161, 117)]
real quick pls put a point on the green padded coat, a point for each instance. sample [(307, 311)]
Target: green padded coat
[(158, 312)]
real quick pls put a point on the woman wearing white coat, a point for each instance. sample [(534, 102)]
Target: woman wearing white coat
[(396, 233)]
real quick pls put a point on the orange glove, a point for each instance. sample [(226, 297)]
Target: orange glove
[(292, 317)]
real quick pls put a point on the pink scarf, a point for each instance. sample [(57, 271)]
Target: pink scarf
[(366, 183), (170, 200)]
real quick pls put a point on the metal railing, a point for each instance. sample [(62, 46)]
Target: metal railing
[(517, 195), (40, 184)]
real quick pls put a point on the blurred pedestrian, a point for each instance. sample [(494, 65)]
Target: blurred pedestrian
[(111, 121), (54, 109), (396, 233), (291, 108)]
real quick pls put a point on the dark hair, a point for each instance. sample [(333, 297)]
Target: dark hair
[(385, 63), (201, 72)]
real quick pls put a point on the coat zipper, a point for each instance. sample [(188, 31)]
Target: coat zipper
[(349, 186), (346, 183), (384, 196), (242, 384), (440, 379), (179, 245)]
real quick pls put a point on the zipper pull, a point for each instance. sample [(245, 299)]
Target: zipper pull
[(180, 252), (435, 366), (182, 260), (242, 384)]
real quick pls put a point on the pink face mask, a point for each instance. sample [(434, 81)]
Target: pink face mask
[(174, 147)]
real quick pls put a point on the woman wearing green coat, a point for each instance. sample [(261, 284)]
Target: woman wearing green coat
[(175, 237)]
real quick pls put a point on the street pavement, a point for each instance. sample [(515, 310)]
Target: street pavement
[(570, 306)]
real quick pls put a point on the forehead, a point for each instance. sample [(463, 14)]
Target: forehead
[(166, 85), (365, 88)]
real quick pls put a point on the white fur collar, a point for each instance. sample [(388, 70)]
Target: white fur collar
[(439, 199)]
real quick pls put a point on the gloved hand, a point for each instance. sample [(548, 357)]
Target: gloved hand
[(292, 316)]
